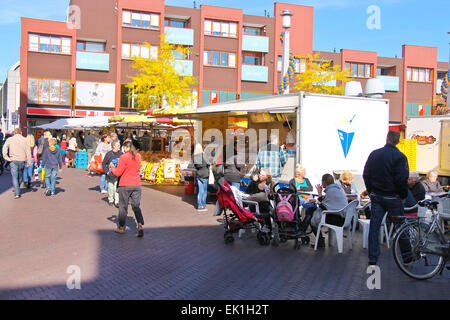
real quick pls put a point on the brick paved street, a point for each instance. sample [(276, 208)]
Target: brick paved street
[(182, 255)]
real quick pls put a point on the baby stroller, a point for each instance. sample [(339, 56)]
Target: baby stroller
[(238, 217), (287, 218)]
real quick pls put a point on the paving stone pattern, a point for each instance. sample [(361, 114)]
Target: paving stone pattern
[(182, 255)]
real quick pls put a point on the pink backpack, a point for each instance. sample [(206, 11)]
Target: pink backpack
[(285, 212)]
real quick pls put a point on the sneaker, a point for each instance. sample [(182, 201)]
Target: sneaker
[(103, 191), (116, 205), (140, 233), (202, 209), (47, 193), (16, 197)]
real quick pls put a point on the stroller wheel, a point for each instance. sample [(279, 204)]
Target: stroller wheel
[(305, 240), (297, 244), (263, 238), (228, 237)]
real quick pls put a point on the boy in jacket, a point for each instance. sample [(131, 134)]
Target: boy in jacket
[(51, 160), (112, 157)]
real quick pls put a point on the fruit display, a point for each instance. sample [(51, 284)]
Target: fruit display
[(159, 169)]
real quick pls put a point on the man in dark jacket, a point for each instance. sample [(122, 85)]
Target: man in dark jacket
[(51, 160), (111, 179), (386, 177), (90, 143)]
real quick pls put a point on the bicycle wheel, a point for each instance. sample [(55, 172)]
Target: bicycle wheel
[(408, 254)]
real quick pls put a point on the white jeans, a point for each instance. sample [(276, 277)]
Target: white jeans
[(113, 195)]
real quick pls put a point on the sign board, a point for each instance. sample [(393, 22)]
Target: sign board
[(95, 94), (170, 169), (445, 146), (14, 118)]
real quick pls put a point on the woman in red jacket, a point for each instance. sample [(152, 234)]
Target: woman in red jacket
[(129, 186)]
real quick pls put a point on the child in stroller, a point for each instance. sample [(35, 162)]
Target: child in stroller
[(238, 217), (286, 215)]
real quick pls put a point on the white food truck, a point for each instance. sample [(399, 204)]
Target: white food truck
[(333, 133)]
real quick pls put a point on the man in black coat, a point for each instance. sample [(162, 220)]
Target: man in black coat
[(386, 178)]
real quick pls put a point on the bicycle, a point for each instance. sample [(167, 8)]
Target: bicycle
[(420, 249)]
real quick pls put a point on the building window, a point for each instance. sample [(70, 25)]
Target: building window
[(359, 70), (221, 28), (217, 58), (252, 31), (144, 20), (134, 50), (418, 74), (216, 96), (49, 43), (90, 46), (252, 58), (300, 64), (175, 23), (45, 91)]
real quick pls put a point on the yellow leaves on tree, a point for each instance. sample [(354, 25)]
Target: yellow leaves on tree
[(158, 82), (319, 75)]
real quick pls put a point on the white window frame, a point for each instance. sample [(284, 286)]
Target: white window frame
[(126, 18), (33, 46)]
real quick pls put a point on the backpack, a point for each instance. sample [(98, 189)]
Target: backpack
[(284, 210)]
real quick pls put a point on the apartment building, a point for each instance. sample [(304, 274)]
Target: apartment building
[(81, 69), (9, 99)]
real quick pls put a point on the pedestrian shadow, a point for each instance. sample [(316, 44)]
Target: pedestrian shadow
[(130, 222), (5, 182), (96, 188)]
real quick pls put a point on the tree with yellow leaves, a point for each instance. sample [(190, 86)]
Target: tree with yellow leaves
[(318, 75), (159, 82)]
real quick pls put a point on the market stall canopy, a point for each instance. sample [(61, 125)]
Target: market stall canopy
[(143, 120), (76, 123), (274, 104)]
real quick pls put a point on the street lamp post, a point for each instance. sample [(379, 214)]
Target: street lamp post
[(286, 15)]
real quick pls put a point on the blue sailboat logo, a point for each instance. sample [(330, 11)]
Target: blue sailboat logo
[(346, 135)]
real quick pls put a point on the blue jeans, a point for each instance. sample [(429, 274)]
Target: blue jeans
[(28, 172), (50, 179), (379, 206), (17, 175), (202, 184), (103, 183)]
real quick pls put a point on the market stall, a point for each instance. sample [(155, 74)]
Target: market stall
[(158, 165)]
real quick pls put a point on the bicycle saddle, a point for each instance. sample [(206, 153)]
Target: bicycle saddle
[(428, 203)]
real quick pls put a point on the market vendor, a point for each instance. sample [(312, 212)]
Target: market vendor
[(289, 144)]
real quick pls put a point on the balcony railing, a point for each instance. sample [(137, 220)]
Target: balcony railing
[(255, 43), (390, 83), (181, 36), (97, 61), (184, 67), (254, 73)]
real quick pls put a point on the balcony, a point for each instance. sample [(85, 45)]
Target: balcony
[(184, 67), (390, 83), (255, 43), (254, 73), (181, 36), (96, 61), (438, 86)]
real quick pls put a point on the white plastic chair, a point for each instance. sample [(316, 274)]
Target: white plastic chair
[(365, 224), (350, 214)]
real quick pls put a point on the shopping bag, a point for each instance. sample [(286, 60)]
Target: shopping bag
[(96, 164)]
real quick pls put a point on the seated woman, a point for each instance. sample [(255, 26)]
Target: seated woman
[(346, 182), (431, 183), (300, 182), (259, 190)]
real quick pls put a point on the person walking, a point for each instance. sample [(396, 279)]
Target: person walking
[(112, 157), (386, 175), (71, 150), (90, 143), (51, 161), (17, 151), (29, 169), (201, 177), (130, 190), (103, 148)]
